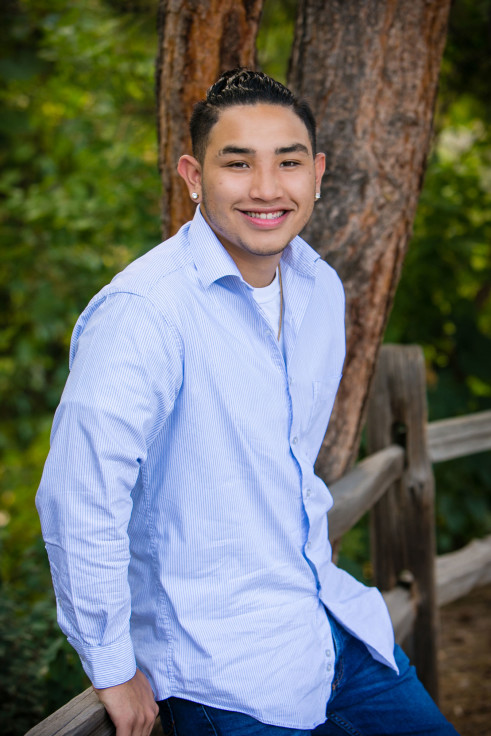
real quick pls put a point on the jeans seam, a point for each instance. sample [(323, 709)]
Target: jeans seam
[(345, 725), (338, 675), (209, 720), (173, 723)]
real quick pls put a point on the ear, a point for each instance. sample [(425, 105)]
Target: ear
[(320, 167), (190, 169)]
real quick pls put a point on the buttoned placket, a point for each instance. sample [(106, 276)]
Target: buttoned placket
[(280, 361)]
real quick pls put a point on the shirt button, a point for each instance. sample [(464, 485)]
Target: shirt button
[(308, 545), (329, 667), (307, 493), (328, 652), (294, 440)]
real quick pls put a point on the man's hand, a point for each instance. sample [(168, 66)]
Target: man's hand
[(131, 706)]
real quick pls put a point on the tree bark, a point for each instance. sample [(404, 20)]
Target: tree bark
[(198, 39), (370, 70)]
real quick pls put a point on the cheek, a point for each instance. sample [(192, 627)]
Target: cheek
[(231, 187), (306, 199), (302, 187), (222, 191), (305, 194)]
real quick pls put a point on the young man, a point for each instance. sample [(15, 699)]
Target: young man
[(186, 529)]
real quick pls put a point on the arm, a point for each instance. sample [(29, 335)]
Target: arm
[(124, 378)]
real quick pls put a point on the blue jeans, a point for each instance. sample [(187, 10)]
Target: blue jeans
[(368, 699)]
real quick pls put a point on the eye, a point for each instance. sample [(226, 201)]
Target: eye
[(237, 165), (289, 164)]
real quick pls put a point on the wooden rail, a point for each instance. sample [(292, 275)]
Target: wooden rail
[(395, 483), (451, 438)]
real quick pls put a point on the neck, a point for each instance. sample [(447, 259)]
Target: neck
[(258, 271), (259, 281)]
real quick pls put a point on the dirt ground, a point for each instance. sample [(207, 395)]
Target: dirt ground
[(465, 663)]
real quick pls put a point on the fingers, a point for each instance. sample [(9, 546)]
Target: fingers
[(131, 706)]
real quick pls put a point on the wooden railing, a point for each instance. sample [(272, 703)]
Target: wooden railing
[(395, 484)]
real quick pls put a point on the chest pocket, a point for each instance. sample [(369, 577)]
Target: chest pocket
[(323, 394)]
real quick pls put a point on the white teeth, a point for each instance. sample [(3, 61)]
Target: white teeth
[(266, 215)]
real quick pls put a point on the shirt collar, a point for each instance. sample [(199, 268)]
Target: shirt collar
[(210, 257), (300, 256), (213, 262)]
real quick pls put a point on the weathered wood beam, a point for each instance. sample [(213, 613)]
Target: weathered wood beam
[(457, 573), (402, 522), (83, 716), (451, 438), (402, 604), (355, 493)]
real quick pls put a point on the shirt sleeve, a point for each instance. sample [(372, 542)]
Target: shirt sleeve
[(125, 375)]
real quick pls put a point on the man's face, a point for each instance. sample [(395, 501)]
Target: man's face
[(258, 181)]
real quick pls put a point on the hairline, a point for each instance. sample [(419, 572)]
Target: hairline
[(219, 109)]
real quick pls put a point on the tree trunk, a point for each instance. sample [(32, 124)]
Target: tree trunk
[(370, 70), (198, 39)]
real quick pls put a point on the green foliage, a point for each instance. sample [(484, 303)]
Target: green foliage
[(463, 501), (19, 523), (443, 300), (79, 183), (275, 37), (466, 66), (39, 670), (80, 192)]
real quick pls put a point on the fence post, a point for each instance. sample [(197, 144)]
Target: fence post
[(403, 521)]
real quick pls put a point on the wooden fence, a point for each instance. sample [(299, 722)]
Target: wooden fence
[(395, 483)]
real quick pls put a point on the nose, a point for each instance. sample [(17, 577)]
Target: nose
[(265, 184)]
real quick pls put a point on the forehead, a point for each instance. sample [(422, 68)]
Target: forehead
[(259, 127)]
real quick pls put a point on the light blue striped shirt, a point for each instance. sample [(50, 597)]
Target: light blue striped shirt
[(186, 529)]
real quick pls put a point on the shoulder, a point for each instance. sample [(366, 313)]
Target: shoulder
[(328, 279), (141, 299), (154, 277), (146, 275)]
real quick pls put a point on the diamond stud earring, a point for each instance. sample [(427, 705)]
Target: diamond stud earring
[(195, 195)]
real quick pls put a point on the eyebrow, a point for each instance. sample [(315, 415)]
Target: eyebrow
[(238, 151), (295, 148)]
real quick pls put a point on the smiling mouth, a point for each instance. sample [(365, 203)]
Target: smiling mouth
[(266, 215)]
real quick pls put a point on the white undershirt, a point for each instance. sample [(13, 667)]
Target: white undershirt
[(269, 300)]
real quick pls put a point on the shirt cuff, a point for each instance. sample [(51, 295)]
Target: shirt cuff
[(108, 665)]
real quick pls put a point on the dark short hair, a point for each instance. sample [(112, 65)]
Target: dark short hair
[(243, 87)]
